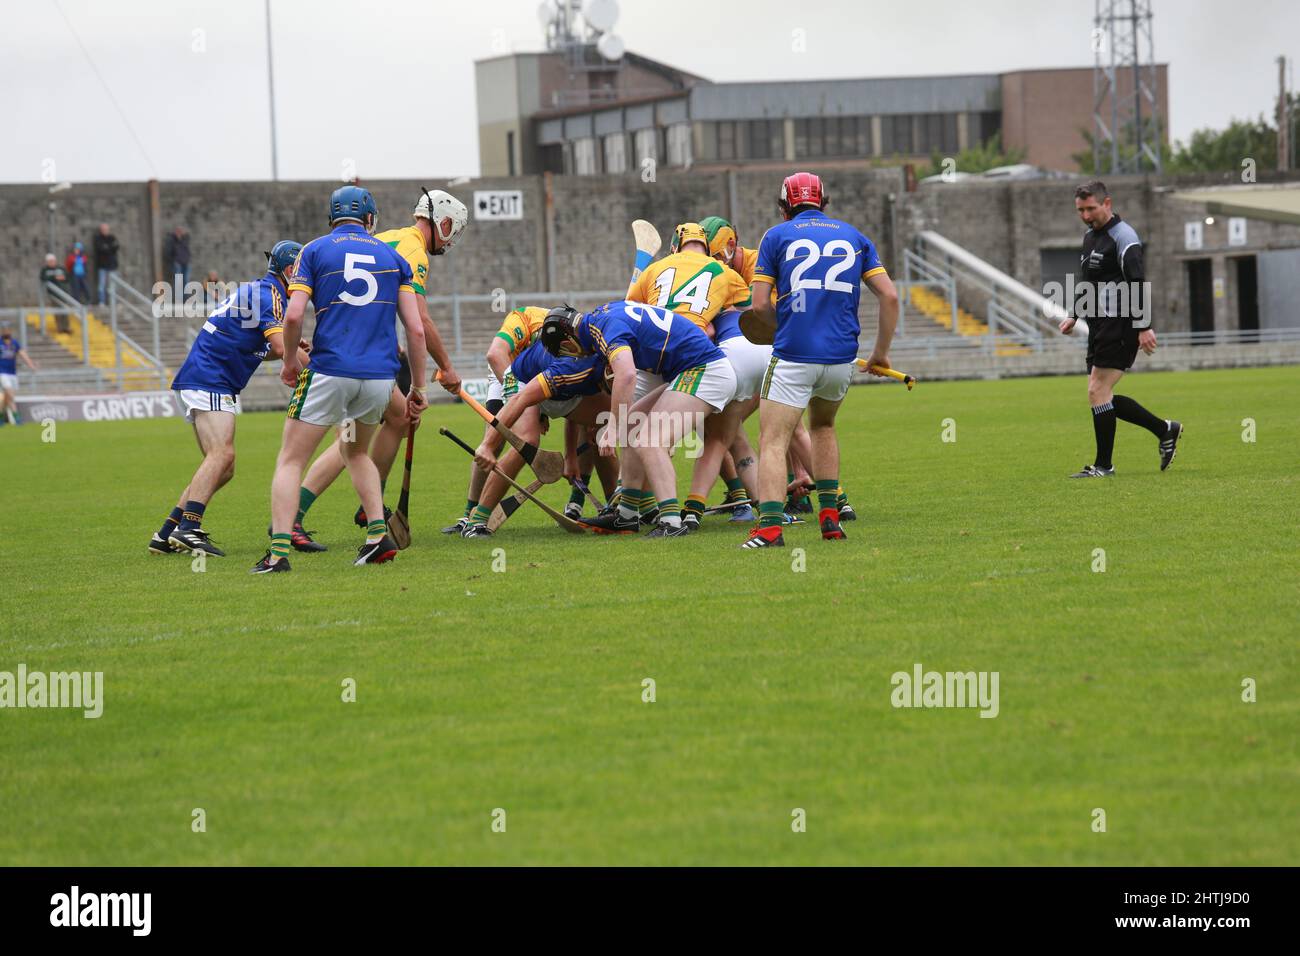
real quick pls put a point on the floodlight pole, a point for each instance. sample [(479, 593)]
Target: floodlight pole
[(270, 82)]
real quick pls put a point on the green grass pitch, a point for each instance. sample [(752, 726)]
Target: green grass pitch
[(522, 690)]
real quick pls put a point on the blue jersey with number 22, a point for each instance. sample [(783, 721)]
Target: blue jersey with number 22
[(818, 265), (660, 341)]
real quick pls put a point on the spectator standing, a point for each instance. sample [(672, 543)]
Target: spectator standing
[(54, 274), (176, 253), (78, 269), (105, 252)]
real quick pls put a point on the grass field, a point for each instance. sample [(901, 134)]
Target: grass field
[(522, 690)]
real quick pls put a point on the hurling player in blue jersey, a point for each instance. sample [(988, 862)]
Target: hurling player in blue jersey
[(357, 285), (698, 381), (817, 265), (10, 352), (538, 384), (237, 337)]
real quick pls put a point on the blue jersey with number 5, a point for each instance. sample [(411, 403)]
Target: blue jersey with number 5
[(353, 280), (817, 265), (660, 341)]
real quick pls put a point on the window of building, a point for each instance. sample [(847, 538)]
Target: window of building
[(832, 136), (616, 153), (679, 144), (896, 133), (645, 146), (585, 162), (766, 139)]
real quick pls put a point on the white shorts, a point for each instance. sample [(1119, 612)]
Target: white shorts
[(328, 400), (8, 383), (494, 390), (795, 383), (750, 362), (559, 407), (646, 382), (196, 400), (715, 383)]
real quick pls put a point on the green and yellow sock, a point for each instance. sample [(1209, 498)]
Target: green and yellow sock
[(694, 505), (306, 498), (771, 514), (470, 505), (828, 490), (480, 515), (376, 530), (841, 499), (735, 490), (629, 503), (670, 512), (280, 546), (649, 502)]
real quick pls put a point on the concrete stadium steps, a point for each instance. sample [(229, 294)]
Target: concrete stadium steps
[(938, 309), (137, 373)]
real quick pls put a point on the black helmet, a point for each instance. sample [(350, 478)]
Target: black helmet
[(559, 326)]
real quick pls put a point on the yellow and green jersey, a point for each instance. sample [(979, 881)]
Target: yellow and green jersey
[(692, 285), (521, 327), (409, 244)]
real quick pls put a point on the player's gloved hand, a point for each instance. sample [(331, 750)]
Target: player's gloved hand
[(449, 380), (484, 458), (1067, 326), (289, 371), (415, 404), (878, 360), (1147, 341)]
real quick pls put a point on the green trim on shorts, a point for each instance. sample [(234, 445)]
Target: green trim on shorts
[(510, 385), (688, 381), (300, 393), (767, 377)]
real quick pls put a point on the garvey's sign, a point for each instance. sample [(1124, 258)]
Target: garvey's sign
[(99, 408), (498, 204)]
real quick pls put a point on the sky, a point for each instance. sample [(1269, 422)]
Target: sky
[(126, 90)]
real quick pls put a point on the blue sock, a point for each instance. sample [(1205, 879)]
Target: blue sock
[(192, 516), (170, 524)]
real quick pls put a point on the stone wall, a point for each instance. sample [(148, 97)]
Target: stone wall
[(1007, 224)]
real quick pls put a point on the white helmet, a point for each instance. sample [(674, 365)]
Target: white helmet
[(436, 206)]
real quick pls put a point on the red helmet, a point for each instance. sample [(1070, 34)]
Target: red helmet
[(802, 189)]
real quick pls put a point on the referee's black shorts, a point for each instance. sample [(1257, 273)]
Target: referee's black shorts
[(1112, 343)]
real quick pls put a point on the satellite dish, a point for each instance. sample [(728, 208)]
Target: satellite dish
[(546, 13), (600, 15), (610, 46)]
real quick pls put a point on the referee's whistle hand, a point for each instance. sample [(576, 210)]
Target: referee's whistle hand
[(1147, 341), (1067, 326)]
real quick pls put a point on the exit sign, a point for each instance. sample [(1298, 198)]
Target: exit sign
[(498, 204)]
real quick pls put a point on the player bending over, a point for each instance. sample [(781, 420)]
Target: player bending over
[(568, 388), (1112, 273), (414, 243), (242, 332), (699, 381), (517, 332), (816, 264)]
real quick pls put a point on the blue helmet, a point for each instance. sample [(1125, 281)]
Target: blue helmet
[(352, 202), (282, 256)]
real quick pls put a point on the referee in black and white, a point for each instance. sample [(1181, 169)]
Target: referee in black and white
[(1111, 294)]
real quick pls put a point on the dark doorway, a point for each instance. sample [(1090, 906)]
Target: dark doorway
[(1248, 298), (1200, 297), (510, 149)]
